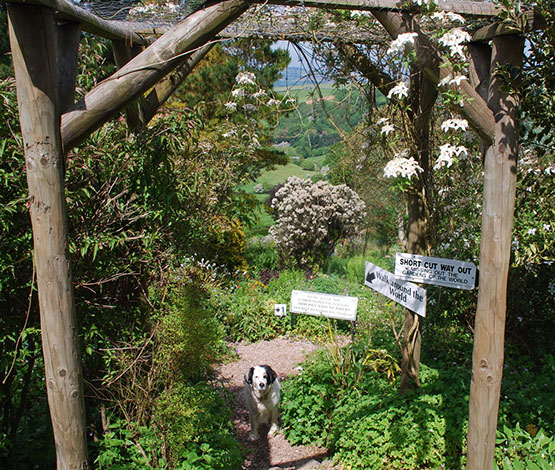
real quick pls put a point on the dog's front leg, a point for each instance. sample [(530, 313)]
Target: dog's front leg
[(274, 429), (253, 435)]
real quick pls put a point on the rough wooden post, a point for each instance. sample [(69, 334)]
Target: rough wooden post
[(33, 45), (495, 250), (67, 50)]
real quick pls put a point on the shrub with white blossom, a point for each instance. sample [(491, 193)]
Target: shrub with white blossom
[(312, 217)]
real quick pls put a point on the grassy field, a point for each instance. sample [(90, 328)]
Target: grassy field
[(278, 176), (305, 93)]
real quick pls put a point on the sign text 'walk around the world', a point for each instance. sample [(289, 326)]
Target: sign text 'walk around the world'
[(405, 293), (437, 271)]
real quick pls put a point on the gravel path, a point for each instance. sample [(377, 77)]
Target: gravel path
[(283, 355)]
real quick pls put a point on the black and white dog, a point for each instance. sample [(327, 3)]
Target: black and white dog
[(262, 394)]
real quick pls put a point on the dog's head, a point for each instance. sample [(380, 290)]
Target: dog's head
[(260, 377)]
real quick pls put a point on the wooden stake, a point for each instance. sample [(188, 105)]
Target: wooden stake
[(495, 251), (33, 45)]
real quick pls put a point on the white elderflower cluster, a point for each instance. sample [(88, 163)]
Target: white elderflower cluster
[(231, 106), (452, 80), (454, 124), (402, 166), (260, 94), (154, 8), (311, 217), (447, 155), (400, 44), (447, 16), (454, 40), (245, 79), (401, 90), (387, 127), (424, 3)]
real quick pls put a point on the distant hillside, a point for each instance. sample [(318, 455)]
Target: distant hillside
[(308, 132), (295, 76)]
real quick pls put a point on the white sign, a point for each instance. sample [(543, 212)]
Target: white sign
[(280, 310), (438, 271), (341, 307), (408, 295)]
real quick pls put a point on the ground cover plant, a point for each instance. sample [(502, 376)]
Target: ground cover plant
[(366, 423)]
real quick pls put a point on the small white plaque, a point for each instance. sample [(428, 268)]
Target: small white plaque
[(341, 307), (281, 310)]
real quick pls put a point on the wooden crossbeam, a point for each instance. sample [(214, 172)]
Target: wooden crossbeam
[(90, 22), (144, 32), (462, 7)]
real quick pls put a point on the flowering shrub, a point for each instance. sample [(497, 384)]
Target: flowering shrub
[(312, 217)]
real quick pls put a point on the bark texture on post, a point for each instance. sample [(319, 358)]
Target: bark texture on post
[(495, 250), (33, 45)]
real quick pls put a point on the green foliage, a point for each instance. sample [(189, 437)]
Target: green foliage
[(125, 447), (247, 307), (261, 254), (190, 336), (517, 449), (5, 59), (423, 429), (310, 129), (344, 399), (196, 422)]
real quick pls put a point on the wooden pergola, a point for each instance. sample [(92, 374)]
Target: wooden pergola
[(44, 37)]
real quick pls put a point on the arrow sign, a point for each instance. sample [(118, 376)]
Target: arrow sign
[(405, 293), (370, 277), (280, 310)]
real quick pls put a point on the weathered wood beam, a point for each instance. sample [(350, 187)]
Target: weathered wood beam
[(144, 71), (463, 7), (474, 109), (528, 21), (500, 172), (67, 11), (123, 53), (480, 61), (67, 50), (166, 87), (33, 44)]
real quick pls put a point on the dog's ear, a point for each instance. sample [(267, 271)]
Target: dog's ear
[(272, 376), (248, 377)]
